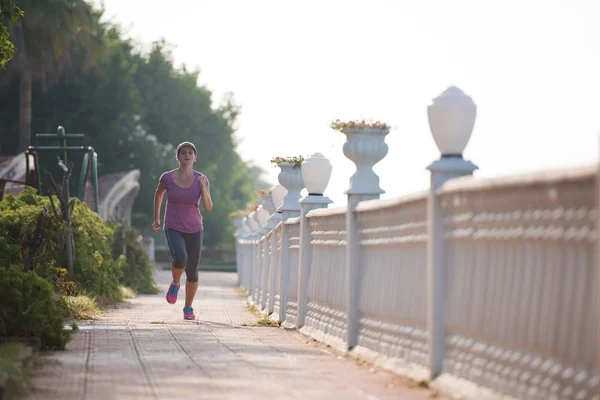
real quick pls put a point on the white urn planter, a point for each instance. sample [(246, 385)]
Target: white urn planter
[(316, 172), (267, 203), (451, 120), (365, 147), (278, 195), (290, 178), (246, 225)]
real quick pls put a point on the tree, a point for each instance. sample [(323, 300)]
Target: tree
[(134, 108), (9, 12), (47, 39)]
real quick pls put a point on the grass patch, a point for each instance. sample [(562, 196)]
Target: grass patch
[(17, 364), (157, 323), (266, 321), (81, 307), (241, 290), (421, 384), (128, 293)]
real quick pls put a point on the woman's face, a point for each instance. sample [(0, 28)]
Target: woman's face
[(186, 156)]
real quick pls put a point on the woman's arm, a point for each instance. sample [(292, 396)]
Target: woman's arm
[(158, 198), (205, 193)]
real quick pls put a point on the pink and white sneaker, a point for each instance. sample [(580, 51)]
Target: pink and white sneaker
[(172, 293), (188, 313)]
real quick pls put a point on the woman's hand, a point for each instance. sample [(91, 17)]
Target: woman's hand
[(203, 187), (205, 193), (156, 225)]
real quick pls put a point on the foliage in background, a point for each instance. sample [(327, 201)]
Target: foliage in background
[(49, 38), (9, 13), (137, 270), (135, 106)]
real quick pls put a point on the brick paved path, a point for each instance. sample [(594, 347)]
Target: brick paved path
[(144, 350)]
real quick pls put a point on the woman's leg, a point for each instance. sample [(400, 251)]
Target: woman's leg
[(177, 246), (193, 244)]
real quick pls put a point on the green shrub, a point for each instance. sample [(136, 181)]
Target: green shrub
[(28, 309), (137, 270), (15, 372), (95, 270)]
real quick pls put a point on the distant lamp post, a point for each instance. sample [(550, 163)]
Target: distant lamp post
[(262, 215), (451, 120), (316, 172)]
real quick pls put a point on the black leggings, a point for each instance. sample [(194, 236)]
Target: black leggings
[(185, 249)]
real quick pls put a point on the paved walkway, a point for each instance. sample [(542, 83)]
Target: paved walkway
[(145, 350)]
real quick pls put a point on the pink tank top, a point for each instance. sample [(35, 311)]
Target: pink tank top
[(181, 211)]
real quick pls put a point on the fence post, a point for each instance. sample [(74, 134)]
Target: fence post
[(451, 120), (316, 172), (238, 223), (269, 208), (365, 147), (251, 238), (290, 178), (278, 195)]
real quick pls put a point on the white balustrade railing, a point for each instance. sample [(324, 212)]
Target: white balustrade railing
[(326, 285), (488, 288)]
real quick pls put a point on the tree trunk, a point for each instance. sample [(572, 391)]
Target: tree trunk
[(25, 89), (25, 109)]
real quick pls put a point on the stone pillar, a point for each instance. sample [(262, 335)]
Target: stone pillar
[(316, 172), (251, 239), (278, 194), (238, 223), (451, 120), (365, 147), (290, 178)]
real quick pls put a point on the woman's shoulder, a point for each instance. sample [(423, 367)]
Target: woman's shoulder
[(166, 175)]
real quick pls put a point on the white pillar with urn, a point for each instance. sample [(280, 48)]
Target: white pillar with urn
[(365, 146), (290, 178)]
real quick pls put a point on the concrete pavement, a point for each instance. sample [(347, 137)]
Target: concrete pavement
[(144, 349)]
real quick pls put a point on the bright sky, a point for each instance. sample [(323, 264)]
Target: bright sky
[(531, 66)]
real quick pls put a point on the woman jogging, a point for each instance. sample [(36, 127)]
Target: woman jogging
[(183, 222)]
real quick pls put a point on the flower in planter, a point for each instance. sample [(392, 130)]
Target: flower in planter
[(296, 160), (238, 213), (263, 192), (358, 124)]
